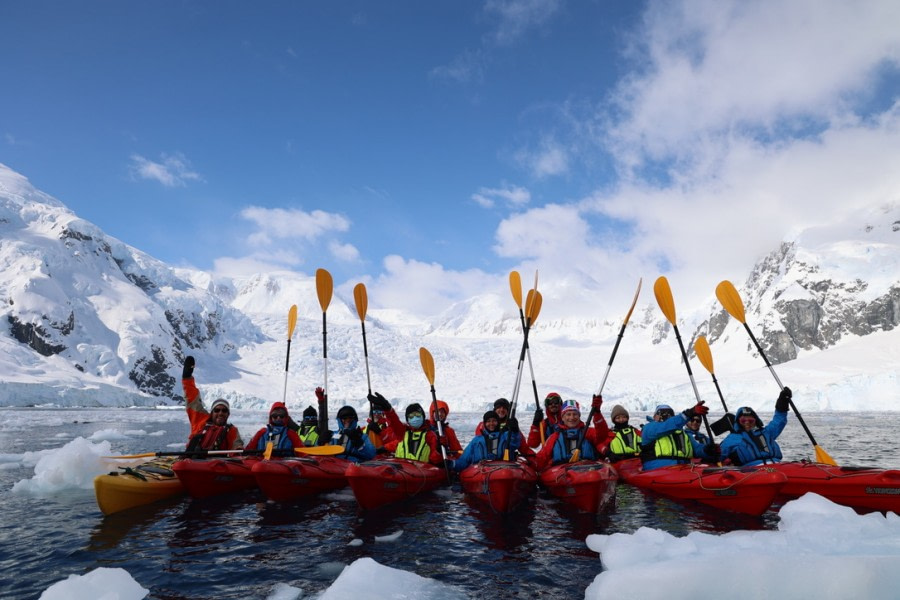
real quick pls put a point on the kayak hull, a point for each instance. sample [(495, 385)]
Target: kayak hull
[(207, 477), (289, 479), (146, 483), (860, 488), (376, 483), (747, 490), (502, 485), (587, 485)]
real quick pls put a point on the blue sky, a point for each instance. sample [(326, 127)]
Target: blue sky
[(428, 148)]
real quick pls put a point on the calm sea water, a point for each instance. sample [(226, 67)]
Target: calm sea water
[(241, 546)]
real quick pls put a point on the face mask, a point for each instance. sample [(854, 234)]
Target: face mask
[(416, 422)]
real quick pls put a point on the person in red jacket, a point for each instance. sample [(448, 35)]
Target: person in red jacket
[(283, 438), (415, 440), (449, 441), (541, 427), (560, 446), (209, 430)]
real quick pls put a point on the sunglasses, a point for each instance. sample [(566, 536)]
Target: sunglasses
[(696, 420), (221, 410), (278, 416)]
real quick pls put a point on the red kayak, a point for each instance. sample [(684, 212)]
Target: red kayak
[(862, 488), (748, 490), (292, 478), (500, 484), (587, 485), (206, 477), (383, 481)]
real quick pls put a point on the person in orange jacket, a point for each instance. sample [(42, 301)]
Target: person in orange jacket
[(210, 430), (449, 441)]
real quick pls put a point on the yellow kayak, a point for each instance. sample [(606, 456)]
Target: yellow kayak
[(134, 486)]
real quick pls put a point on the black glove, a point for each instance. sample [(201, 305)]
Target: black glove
[(538, 417), (374, 427), (355, 437), (379, 402), (188, 370), (783, 402), (512, 425), (712, 451), (698, 410)]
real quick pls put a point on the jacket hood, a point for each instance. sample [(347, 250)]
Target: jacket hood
[(276, 406), (744, 411)]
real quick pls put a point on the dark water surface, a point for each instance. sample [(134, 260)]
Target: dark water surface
[(242, 546)]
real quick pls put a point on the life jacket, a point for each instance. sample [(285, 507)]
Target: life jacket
[(675, 445), (565, 445), (414, 446), (279, 438), (211, 437), (626, 443), (309, 434)]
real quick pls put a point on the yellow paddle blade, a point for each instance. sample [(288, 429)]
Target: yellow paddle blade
[(267, 453), (634, 302), (576, 455), (328, 450), (362, 300), (292, 320), (535, 308), (515, 286), (324, 288), (823, 457), (701, 347), (427, 364), (731, 300), (663, 294)]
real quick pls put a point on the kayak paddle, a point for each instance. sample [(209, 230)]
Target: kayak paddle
[(329, 450), (428, 367), (324, 289), (701, 348), (362, 304)]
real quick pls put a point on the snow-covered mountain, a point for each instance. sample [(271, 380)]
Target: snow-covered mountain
[(92, 321)]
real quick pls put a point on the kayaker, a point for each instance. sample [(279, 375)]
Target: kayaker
[(415, 440), (624, 441), (308, 429), (560, 446), (283, 439), (378, 427), (749, 443), (449, 441), (358, 446), (692, 427), (501, 407), (209, 430), (664, 441), (491, 444), (543, 427)]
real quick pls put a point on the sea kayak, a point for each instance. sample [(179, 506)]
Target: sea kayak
[(748, 490), (500, 484), (134, 486), (864, 489), (288, 479), (384, 481), (207, 477), (588, 485)]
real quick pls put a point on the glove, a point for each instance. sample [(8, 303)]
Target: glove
[(512, 425), (698, 410), (538, 417), (355, 437), (374, 427), (712, 451), (783, 402), (320, 394), (597, 402), (188, 370), (379, 402)]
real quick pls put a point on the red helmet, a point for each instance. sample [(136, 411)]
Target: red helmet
[(440, 404)]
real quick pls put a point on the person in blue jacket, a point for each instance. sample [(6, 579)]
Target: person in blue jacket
[(664, 441), (490, 444), (357, 445), (749, 443), (692, 427)]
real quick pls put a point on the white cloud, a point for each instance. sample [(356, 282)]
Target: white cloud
[(511, 194), (468, 67), (517, 17), (279, 223), (172, 170), (548, 160), (343, 252)]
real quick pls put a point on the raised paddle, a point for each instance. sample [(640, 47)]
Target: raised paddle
[(515, 286), (362, 304), (731, 302), (701, 347), (533, 303), (428, 367), (292, 322), (324, 290), (329, 450), (576, 455), (663, 294)]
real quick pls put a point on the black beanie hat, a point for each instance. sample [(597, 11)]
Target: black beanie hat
[(347, 412), (489, 415), (414, 407), (310, 413), (501, 402)]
